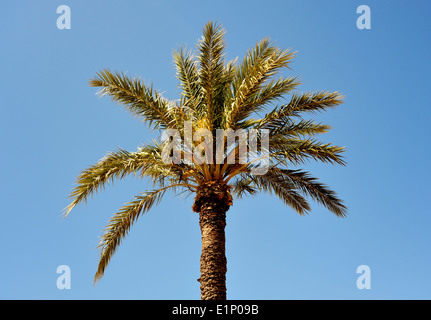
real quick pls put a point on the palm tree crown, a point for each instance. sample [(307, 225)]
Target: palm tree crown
[(216, 94)]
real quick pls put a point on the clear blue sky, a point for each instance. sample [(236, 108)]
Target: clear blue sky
[(53, 126)]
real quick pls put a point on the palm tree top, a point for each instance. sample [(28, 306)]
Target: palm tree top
[(217, 94)]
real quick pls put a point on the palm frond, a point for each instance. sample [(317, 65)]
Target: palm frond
[(115, 165), (249, 92), (119, 225), (187, 73), (138, 98), (316, 190), (297, 151), (275, 184), (300, 103), (311, 102), (243, 186), (212, 72), (299, 129), (274, 90)]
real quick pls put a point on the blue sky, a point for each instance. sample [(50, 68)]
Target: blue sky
[(53, 126)]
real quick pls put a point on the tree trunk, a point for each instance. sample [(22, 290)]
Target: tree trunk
[(212, 202)]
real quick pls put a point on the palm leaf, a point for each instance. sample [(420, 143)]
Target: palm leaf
[(275, 184), (120, 224), (138, 98), (187, 73), (299, 103), (316, 190), (115, 165), (243, 186), (259, 65), (297, 151), (211, 73)]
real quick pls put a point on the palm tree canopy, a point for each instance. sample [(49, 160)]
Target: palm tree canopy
[(217, 94)]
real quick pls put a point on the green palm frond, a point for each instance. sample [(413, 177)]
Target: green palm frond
[(299, 129), (115, 165), (274, 90), (300, 103), (243, 186), (212, 72), (298, 151), (288, 185), (249, 90), (291, 128), (317, 191), (311, 102), (140, 99), (274, 183), (188, 74), (119, 225)]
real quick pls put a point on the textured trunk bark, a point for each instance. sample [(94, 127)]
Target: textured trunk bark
[(212, 202)]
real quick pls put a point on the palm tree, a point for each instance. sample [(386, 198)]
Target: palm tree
[(216, 94)]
